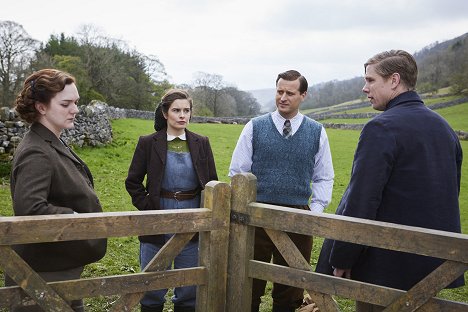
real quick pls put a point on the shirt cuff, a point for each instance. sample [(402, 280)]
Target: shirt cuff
[(316, 207)]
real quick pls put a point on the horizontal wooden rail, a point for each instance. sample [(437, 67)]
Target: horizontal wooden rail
[(53, 228), (417, 240), (211, 222), (114, 285), (374, 294)]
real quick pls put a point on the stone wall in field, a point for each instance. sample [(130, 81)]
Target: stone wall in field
[(92, 127), (133, 113)]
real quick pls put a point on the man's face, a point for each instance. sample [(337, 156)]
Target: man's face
[(379, 90), (288, 97)]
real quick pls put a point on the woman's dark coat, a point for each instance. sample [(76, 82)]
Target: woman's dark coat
[(48, 178), (149, 160)]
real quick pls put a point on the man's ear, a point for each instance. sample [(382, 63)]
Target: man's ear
[(395, 80), (304, 95), (41, 108)]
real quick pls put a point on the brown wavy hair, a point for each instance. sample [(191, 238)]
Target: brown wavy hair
[(41, 86)]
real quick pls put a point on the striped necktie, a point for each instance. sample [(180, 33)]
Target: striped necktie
[(287, 130)]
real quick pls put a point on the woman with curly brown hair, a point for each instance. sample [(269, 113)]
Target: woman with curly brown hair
[(49, 178)]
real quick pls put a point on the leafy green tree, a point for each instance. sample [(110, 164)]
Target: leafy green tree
[(62, 46), (75, 66)]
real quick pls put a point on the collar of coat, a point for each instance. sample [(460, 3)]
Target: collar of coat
[(54, 142), (160, 144)]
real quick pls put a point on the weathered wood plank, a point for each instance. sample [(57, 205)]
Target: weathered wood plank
[(427, 242), (428, 287), (204, 261), (347, 288), (294, 259), (241, 244), (114, 285), (218, 198), (160, 262), (19, 271), (52, 228)]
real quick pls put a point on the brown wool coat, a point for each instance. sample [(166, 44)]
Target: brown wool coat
[(48, 178)]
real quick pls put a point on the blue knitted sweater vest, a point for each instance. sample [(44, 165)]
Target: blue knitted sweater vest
[(284, 167)]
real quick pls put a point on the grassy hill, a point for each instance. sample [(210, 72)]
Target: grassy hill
[(456, 115)]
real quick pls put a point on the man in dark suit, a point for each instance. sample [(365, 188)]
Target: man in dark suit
[(406, 170)]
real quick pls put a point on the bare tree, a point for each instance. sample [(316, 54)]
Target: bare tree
[(211, 86), (16, 51), (154, 68)]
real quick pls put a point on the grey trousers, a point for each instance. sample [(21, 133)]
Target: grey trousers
[(31, 306)]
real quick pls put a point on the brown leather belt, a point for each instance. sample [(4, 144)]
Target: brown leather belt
[(180, 195)]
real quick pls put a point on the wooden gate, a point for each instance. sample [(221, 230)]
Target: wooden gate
[(247, 214), (226, 268), (212, 222)]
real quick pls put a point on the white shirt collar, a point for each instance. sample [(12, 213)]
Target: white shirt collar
[(279, 120), (183, 137), (277, 115)]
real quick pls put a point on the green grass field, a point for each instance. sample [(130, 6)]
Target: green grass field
[(109, 166), (456, 115), (345, 121)]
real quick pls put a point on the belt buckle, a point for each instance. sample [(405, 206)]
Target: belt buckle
[(176, 194)]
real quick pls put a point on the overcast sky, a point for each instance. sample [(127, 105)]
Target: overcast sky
[(249, 42)]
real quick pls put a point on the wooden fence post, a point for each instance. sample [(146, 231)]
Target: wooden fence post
[(241, 243), (214, 248)]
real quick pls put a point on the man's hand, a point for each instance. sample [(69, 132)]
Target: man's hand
[(346, 273)]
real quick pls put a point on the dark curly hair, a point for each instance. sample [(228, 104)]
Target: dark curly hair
[(41, 86), (173, 94)]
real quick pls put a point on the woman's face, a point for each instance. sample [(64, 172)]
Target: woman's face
[(178, 117), (61, 111)]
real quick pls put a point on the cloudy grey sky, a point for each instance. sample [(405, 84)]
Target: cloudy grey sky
[(249, 42)]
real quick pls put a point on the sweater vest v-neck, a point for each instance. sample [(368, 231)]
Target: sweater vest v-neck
[(284, 167)]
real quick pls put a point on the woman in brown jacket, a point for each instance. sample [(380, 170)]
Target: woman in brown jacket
[(49, 178), (177, 164)]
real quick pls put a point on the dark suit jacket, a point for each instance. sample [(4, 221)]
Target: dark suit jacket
[(149, 160), (48, 178), (406, 170)]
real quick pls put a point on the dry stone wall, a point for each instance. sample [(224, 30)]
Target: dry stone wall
[(92, 127)]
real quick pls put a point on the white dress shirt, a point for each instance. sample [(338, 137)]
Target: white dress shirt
[(322, 177)]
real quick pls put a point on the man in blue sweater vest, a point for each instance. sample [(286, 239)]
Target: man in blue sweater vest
[(290, 156)]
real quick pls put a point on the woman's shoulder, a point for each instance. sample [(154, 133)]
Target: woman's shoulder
[(32, 142), (150, 137)]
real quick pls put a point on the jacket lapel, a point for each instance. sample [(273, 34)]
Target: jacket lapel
[(60, 147), (160, 145), (194, 147), (55, 142)]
